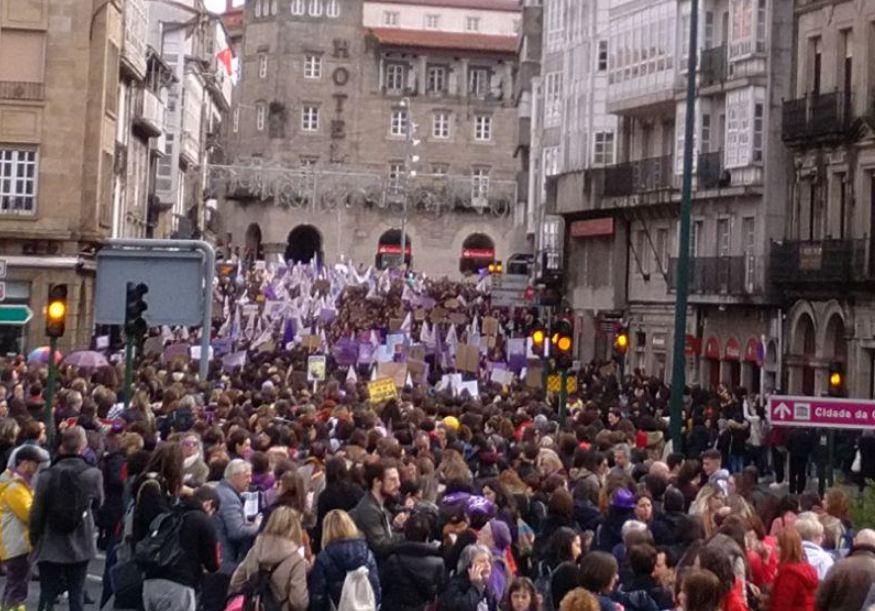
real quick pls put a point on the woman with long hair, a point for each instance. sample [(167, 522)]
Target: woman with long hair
[(521, 596), (344, 549), (796, 581)]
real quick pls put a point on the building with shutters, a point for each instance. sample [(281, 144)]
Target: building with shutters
[(317, 158)]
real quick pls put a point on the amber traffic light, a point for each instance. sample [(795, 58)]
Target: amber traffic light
[(56, 310)]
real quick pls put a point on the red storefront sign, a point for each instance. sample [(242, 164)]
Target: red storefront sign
[(392, 249), (478, 253), (712, 348), (733, 350), (753, 351), (692, 345), (592, 228)]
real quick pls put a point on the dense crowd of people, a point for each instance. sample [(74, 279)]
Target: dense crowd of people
[(258, 489)]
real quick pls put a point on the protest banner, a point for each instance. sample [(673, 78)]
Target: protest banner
[(395, 371), (535, 374), (502, 376), (311, 342), (490, 326), (316, 368), (382, 389), (468, 358)]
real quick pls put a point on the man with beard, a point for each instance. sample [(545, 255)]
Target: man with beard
[(371, 514)]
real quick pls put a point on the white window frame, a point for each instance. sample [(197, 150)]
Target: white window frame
[(298, 7), (740, 125), (552, 98), (260, 116), (436, 79), (396, 174), (312, 66), (602, 56), (235, 120), (483, 128), (332, 9), (723, 236), (310, 118), (391, 19), (480, 182), (478, 82), (472, 23), (398, 122), (315, 8), (259, 8), (440, 125), (274, 6), (262, 65), (431, 21), (396, 74), (15, 160), (604, 143), (748, 27)]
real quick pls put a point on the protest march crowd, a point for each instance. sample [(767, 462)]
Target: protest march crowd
[(380, 440)]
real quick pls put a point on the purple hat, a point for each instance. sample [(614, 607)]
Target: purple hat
[(500, 534), (623, 499)]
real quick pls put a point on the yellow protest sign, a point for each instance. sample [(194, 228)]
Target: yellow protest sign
[(382, 389), (554, 382)]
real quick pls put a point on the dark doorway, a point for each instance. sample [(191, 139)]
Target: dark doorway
[(254, 250), (304, 243), (478, 251), (389, 249)]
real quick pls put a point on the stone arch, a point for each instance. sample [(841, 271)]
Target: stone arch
[(253, 242), (303, 244), (389, 248), (801, 316), (834, 344), (478, 250)]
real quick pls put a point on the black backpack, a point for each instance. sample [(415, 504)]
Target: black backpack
[(66, 499), (257, 593), (161, 548)]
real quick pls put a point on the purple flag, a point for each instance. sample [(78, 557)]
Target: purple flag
[(345, 352), (289, 331)]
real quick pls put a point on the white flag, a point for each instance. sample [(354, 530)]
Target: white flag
[(351, 377)]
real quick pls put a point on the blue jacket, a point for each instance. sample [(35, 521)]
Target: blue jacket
[(235, 534), (330, 569)]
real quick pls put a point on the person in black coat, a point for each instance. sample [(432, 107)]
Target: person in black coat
[(642, 562), (414, 571), (467, 590), (339, 493)]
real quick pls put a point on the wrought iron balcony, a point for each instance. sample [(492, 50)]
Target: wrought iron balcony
[(814, 263), (735, 275), (714, 66), (709, 171), (21, 90), (641, 176), (824, 116)]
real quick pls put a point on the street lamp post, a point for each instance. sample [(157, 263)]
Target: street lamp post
[(678, 368), (409, 172)]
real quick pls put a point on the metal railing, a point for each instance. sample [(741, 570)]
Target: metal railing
[(21, 90), (714, 67), (816, 262), (639, 176), (731, 275), (817, 116), (709, 170)]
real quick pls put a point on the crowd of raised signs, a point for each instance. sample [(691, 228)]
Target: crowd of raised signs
[(377, 439)]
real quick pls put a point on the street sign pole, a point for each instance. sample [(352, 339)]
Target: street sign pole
[(563, 396), (129, 369), (48, 416)]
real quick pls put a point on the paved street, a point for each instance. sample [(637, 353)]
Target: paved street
[(93, 586)]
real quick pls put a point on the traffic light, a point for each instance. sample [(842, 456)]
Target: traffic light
[(495, 267), (135, 305), (621, 341), (563, 342), (539, 336), (836, 380), (56, 310)]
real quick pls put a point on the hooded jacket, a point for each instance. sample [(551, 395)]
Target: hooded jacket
[(16, 498), (416, 573), (330, 569), (794, 587), (288, 581), (818, 558)]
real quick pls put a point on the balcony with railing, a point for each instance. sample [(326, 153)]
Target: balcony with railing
[(149, 113), (637, 177), (814, 264), (709, 171), (816, 117), (22, 91), (730, 275), (714, 66)]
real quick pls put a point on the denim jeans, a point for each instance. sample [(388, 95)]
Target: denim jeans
[(55, 578), (17, 580)]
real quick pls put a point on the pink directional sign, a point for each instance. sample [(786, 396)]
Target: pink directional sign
[(822, 412)]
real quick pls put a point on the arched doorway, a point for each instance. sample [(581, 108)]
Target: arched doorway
[(836, 346), (254, 250), (478, 251), (389, 249), (304, 243), (804, 346)]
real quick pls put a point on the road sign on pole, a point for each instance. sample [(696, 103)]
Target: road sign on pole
[(821, 412), (15, 315)]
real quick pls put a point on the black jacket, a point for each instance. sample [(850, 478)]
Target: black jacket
[(198, 539), (337, 495), (647, 584), (412, 576), (113, 509), (462, 595)]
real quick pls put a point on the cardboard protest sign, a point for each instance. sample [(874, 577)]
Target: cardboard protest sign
[(222, 347), (502, 376), (396, 371), (195, 352), (176, 352), (418, 370), (458, 318), (321, 286), (490, 326), (395, 324), (468, 358), (451, 304), (316, 368), (471, 387), (419, 315), (153, 346), (534, 375), (231, 361), (311, 342), (416, 352), (438, 315), (382, 389), (267, 347)]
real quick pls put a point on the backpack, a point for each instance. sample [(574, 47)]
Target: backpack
[(161, 549), (257, 593), (544, 584), (357, 593), (67, 500)]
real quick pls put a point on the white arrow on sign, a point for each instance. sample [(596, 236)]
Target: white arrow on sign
[(782, 411)]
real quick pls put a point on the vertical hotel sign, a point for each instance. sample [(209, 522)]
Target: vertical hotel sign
[(340, 79)]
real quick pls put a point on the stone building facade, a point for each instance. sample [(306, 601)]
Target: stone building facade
[(318, 158)]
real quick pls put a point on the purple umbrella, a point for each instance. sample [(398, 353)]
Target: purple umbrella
[(86, 359)]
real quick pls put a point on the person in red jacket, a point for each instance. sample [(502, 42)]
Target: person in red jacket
[(796, 580)]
